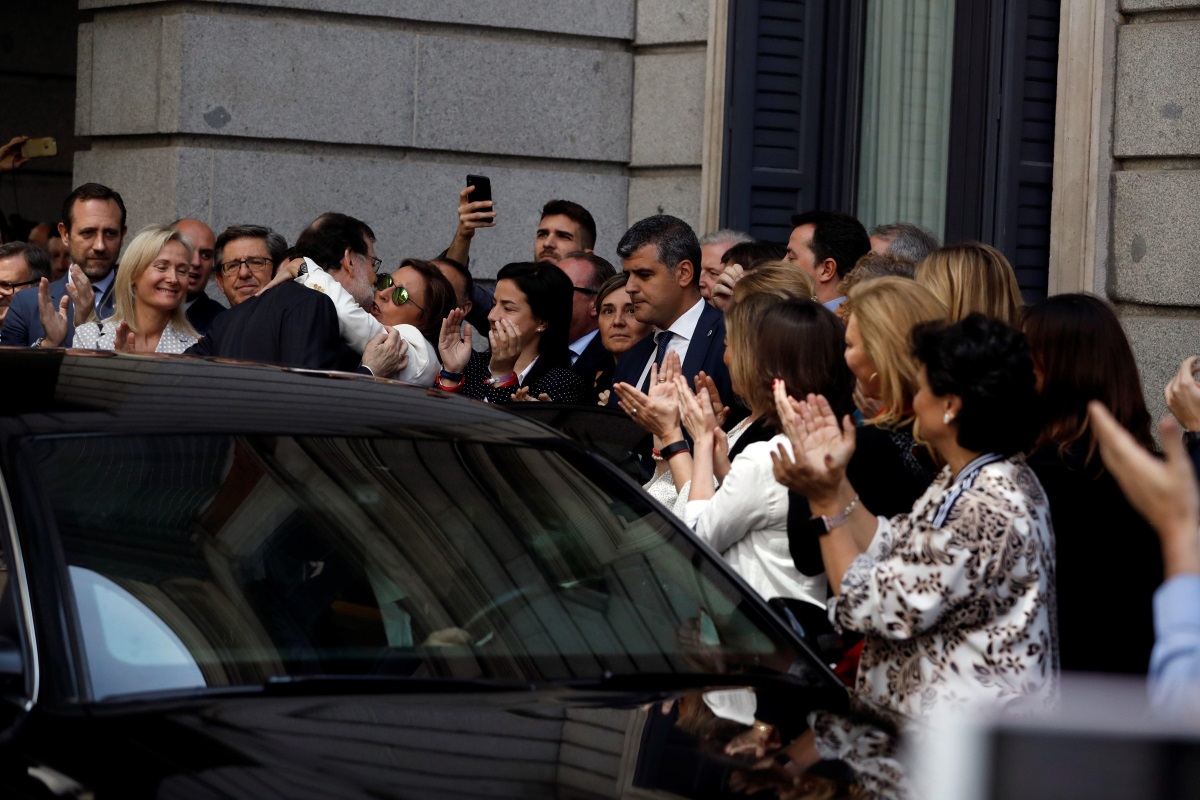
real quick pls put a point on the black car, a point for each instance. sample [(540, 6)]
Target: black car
[(228, 580)]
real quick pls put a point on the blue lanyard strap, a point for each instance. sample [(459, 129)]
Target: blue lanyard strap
[(966, 479)]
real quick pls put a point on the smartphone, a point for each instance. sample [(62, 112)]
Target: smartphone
[(39, 148), (483, 188)]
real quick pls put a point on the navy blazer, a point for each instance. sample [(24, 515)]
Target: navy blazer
[(290, 325), (203, 312), (706, 351), (23, 323)]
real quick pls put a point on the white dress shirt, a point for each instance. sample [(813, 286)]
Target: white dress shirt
[(357, 327), (684, 329)]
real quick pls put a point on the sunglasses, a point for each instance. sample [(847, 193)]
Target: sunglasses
[(400, 295)]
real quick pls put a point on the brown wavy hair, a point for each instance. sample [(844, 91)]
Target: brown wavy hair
[(1080, 350)]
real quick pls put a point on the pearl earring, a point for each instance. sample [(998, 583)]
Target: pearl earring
[(947, 417)]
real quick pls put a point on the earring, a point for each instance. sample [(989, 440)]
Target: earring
[(947, 417)]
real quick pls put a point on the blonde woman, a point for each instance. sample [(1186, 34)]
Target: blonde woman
[(972, 277), (884, 312), (148, 292)]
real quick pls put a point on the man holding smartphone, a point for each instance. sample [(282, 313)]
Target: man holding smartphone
[(564, 227)]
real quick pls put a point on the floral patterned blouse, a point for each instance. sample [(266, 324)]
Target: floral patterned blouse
[(956, 598)]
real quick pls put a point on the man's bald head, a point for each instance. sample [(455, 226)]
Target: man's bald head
[(204, 244)]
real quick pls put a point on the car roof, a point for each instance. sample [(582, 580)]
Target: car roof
[(79, 392)]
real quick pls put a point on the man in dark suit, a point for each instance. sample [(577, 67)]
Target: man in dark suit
[(290, 324), (93, 229), (201, 309), (662, 256), (587, 272)]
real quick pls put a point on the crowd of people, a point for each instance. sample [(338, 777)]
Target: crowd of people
[(864, 423)]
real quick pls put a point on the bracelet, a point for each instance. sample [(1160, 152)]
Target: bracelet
[(455, 388), (672, 450), (837, 520), (450, 376), (502, 382)]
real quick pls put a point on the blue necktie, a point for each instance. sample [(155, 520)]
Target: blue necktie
[(663, 340)]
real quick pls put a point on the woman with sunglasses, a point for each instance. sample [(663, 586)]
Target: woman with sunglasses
[(416, 294), (529, 359), (412, 300)]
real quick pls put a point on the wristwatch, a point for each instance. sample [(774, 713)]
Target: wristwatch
[(302, 270)]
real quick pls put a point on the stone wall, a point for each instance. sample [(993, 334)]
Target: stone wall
[(1151, 266), (668, 108), (273, 111)]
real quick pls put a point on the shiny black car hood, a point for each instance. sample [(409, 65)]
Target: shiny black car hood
[(505, 744)]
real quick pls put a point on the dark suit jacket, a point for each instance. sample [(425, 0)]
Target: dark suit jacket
[(202, 313), (593, 361), (706, 351), (290, 325), (23, 323)]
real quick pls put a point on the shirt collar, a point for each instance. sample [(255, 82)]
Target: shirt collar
[(684, 328), (521, 375), (579, 345)]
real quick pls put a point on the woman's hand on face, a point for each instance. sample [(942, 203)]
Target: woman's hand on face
[(657, 412), (696, 412), (80, 290), (821, 448), (454, 344), (505, 339), (54, 320)]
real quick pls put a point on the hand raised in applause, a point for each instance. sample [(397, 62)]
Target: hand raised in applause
[(822, 448), (454, 342)]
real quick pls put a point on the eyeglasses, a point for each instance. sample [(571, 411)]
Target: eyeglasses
[(375, 262), (11, 288), (400, 295), (255, 263), (588, 292)]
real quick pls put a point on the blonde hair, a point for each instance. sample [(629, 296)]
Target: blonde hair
[(868, 268), (140, 254), (972, 277), (887, 310), (777, 278)]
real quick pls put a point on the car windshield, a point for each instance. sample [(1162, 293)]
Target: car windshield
[(221, 561)]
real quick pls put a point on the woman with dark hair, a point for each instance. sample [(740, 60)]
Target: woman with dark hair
[(745, 520), (530, 322), (1108, 560), (619, 329), (955, 598), (416, 294)]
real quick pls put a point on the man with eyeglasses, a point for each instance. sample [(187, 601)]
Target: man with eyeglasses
[(246, 257), (296, 323), (587, 272), (21, 266)]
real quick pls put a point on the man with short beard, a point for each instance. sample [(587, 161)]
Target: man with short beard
[(93, 229)]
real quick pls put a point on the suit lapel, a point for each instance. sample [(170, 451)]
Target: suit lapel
[(701, 342)]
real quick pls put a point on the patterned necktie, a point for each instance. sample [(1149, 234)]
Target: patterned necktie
[(663, 339)]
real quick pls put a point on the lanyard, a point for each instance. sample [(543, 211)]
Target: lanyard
[(966, 479)]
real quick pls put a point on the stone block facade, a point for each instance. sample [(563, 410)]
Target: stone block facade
[(273, 111)]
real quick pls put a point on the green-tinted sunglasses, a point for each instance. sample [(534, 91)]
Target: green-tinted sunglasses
[(400, 295)]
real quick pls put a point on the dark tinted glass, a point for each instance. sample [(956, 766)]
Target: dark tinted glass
[(210, 561)]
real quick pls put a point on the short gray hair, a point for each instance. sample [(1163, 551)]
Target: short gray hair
[(725, 235), (907, 240)]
